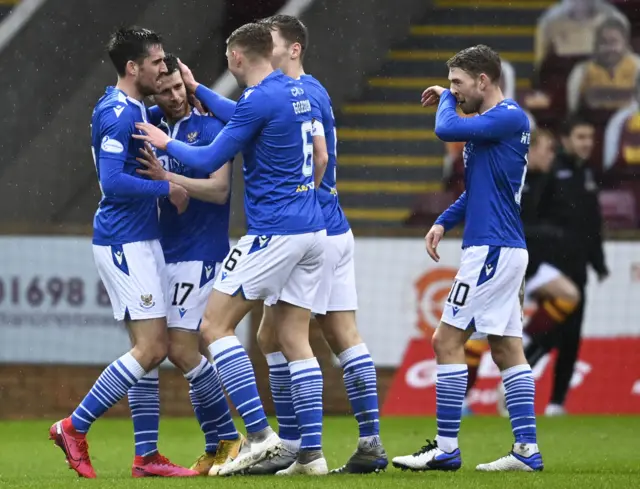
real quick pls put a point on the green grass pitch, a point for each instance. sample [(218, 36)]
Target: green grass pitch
[(581, 452)]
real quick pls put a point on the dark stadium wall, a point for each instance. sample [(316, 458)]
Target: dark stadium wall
[(349, 39), (51, 172)]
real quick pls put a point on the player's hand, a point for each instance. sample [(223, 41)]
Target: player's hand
[(178, 196), (152, 166), (189, 80), (152, 135), (432, 239), (431, 96), (193, 100)]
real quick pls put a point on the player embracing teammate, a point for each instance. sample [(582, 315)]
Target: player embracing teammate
[(280, 125)]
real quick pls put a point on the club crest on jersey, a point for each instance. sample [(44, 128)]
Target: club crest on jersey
[(192, 136), (146, 301)]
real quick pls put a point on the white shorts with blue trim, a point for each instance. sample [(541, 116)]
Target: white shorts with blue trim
[(190, 284), (337, 289), (135, 277), (274, 268), (487, 292)]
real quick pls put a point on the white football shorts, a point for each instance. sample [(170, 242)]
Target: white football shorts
[(190, 284), (337, 288), (487, 291), (544, 274), (273, 268), (135, 277)]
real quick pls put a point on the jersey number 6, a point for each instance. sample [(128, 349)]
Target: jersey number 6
[(307, 148), (232, 261)]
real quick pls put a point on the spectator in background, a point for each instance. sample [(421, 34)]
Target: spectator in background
[(621, 155), (565, 35), (570, 202), (567, 29), (605, 82)]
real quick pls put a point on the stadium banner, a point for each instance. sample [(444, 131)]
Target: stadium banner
[(53, 306)]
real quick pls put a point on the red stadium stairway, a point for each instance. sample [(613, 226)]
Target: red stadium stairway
[(388, 155)]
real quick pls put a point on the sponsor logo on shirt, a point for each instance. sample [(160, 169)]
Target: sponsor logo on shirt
[(111, 145)]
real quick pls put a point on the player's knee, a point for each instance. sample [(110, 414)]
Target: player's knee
[(446, 347), (152, 352), (267, 341), (339, 330), (507, 353), (184, 356)]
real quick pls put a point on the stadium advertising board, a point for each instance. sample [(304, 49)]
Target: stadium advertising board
[(53, 309)]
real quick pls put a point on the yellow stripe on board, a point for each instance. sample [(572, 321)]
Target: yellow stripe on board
[(388, 215), (387, 187), (473, 30), (433, 55), (10, 2), (498, 4), (391, 161), (423, 83), (387, 109), (351, 134)]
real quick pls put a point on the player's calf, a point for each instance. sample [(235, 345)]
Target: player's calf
[(306, 377), (236, 374), (519, 387), (360, 380)]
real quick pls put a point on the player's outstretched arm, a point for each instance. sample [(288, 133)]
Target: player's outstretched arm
[(454, 214), (493, 125), (221, 107), (216, 189), (245, 124)]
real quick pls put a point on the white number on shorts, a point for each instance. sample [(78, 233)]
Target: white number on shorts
[(518, 196), (458, 294), (232, 261), (183, 285), (307, 148)]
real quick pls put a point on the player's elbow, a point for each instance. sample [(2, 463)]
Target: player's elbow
[(220, 193), (110, 187), (445, 133)]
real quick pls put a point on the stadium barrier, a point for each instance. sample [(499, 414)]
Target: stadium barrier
[(57, 331)]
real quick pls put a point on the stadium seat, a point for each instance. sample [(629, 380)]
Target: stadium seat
[(618, 209)]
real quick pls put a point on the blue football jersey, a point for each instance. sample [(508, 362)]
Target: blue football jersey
[(322, 112), (128, 210), (495, 160), (272, 125), (201, 233)]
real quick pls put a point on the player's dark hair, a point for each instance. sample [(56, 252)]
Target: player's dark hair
[(131, 44), (477, 60), (291, 29), (171, 60), (254, 39), (571, 123), (613, 23)]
